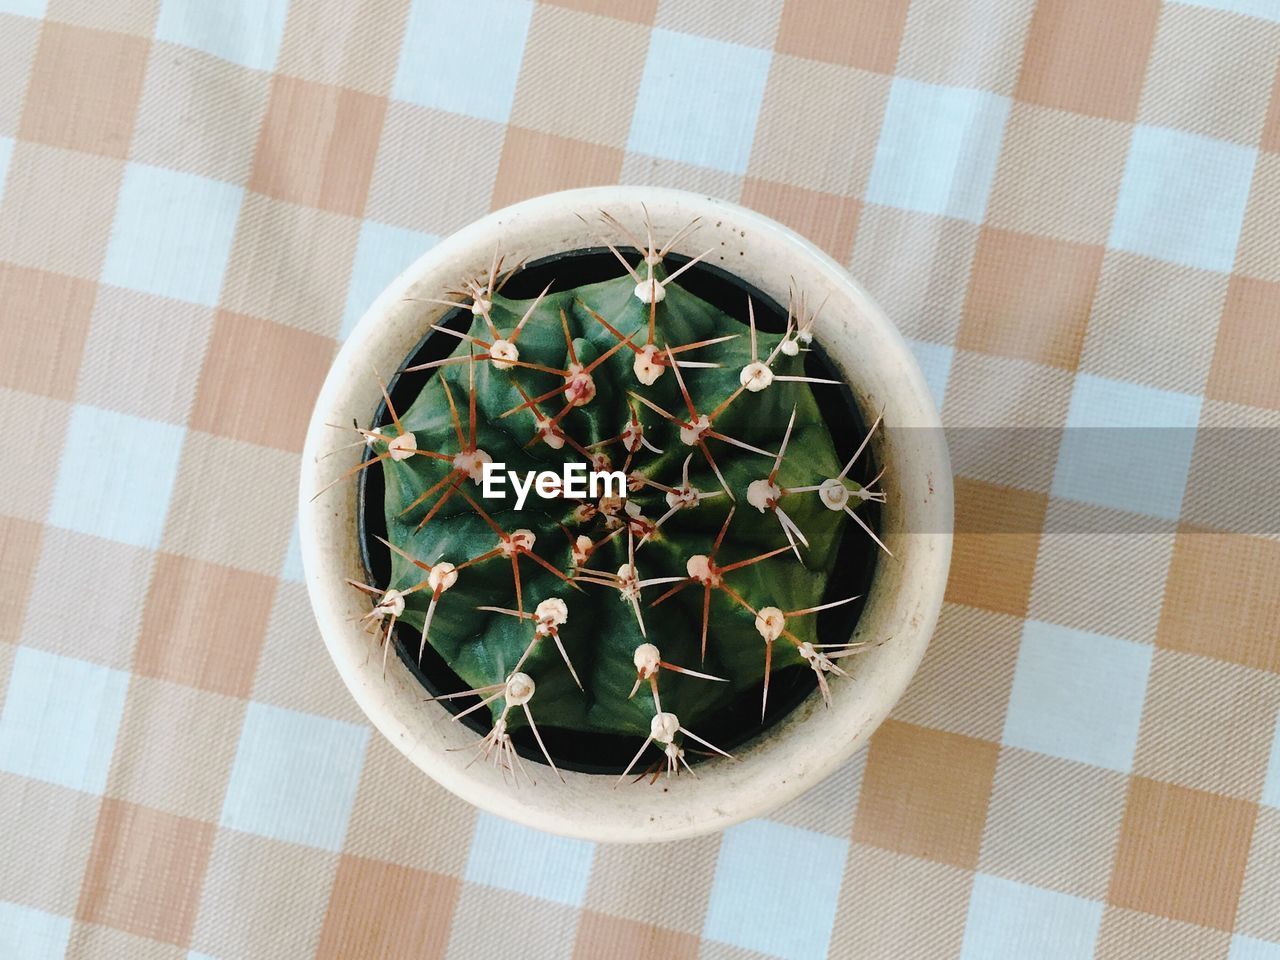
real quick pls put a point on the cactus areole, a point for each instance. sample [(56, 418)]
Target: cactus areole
[(616, 511)]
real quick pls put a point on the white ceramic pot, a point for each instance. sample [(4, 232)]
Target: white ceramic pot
[(902, 606)]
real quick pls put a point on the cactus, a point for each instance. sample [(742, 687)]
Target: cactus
[(640, 615)]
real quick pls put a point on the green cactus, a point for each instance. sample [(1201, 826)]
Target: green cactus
[(614, 615)]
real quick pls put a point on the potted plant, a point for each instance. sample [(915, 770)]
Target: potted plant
[(648, 526)]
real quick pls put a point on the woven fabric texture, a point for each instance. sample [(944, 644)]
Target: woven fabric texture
[(1070, 207)]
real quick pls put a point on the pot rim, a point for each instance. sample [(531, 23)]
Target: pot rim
[(905, 596)]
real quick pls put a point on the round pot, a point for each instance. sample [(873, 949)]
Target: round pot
[(805, 746)]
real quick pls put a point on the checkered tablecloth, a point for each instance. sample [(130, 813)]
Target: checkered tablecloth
[(1070, 207)]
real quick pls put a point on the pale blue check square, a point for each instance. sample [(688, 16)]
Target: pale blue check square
[(247, 32), (295, 776), (6, 153), (60, 720), (511, 857), (1009, 920), (699, 101), (116, 476), (1077, 695), (1271, 787), (292, 567), (1182, 198), (24, 8), (935, 362), (464, 56), (1262, 9), (938, 149), (382, 253), (1250, 948), (172, 234), (30, 934), (775, 890), (1127, 446)]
